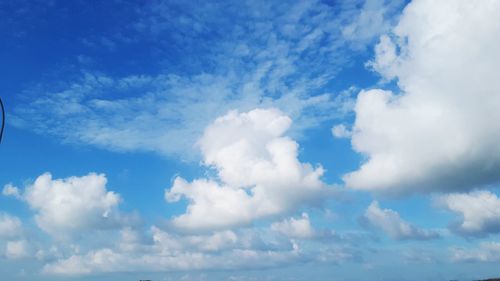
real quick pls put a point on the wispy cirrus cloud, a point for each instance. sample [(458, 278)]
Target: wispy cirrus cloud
[(266, 54)]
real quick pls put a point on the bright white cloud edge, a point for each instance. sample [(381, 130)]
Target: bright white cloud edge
[(258, 173), (440, 132)]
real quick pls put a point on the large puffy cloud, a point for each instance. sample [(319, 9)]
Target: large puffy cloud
[(393, 225), (258, 171), (67, 206), (479, 212), (441, 131)]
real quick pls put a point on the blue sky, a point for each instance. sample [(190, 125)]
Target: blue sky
[(250, 140)]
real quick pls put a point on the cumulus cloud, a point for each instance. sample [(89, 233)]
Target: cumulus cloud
[(486, 252), (258, 173), (10, 190), (13, 243), (479, 211), (340, 131), (214, 242), (17, 249), (68, 206), (440, 132), (10, 226), (165, 251), (108, 260), (393, 225), (295, 228)]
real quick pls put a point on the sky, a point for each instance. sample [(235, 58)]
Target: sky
[(250, 140)]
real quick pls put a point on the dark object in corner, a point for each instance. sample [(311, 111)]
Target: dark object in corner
[(3, 120)]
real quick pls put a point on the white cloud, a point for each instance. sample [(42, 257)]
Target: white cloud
[(108, 260), (68, 206), (259, 172), (479, 211), (167, 117), (440, 132), (10, 190), (214, 242), (374, 18), (173, 252), (162, 251), (393, 225), (295, 228), (268, 54), (17, 249), (340, 131), (486, 252), (10, 226)]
